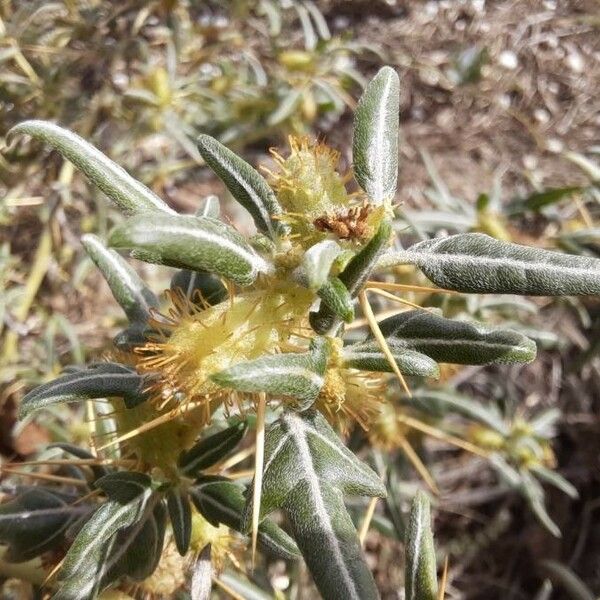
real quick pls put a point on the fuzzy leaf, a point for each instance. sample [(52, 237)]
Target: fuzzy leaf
[(35, 522), (119, 538), (180, 515), (354, 276), (222, 501), (211, 449), (555, 479), (187, 242), (132, 294), (102, 380), (246, 185), (124, 486), (127, 193), (449, 341), (371, 358), (478, 263), (307, 471), (337, 299), (317, 262), (375, 144), (295, 375), (420, 572)]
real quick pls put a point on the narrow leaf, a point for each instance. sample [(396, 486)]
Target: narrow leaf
[(421, 573), (180, 515), (211, 449), (246, 185), (371, 358), (132, 294), (103, 380), (197, 243), (375, 143), (450, 341), (128, 194), (337, 299), (477, 263), (295, 375)]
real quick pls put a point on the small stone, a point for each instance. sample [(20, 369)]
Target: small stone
[(508, 59), (575, 62), (554, 145)]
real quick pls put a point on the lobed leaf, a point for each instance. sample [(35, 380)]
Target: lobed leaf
[(127, 193), (478, 263), (187, 242), (420, 572), (307, 471), (132, 294), (101, 380), (450, 341), (295, 375), (246, 185), (375, 143)]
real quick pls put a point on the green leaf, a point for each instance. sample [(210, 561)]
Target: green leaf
[(440, 403), (246, 185), (307, 471), (211, 449), (371, 358), (100, 552), (534, 494), (187, 242), (421, 572), (132, 294), (101, 380), (180, 515), (294, 375), (221, 501), (128, 194), (478, 263), (124, 486), (450, 341), (563, 576), (337, 299), (555, 479), (539, 200), (35, 522), (354, 276), (375, 143), (317, 262)]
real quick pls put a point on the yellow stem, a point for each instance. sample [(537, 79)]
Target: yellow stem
[(368, 311), (400, 287), (364, 528), (418, 464)]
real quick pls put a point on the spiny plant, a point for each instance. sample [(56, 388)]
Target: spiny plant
[(254, 331)]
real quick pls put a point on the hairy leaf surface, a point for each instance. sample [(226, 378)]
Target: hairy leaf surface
[(187, 242), (127, 193), (101, 380), (306, 473), (375, 143)]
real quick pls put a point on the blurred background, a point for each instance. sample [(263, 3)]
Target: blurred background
[(500, 119)]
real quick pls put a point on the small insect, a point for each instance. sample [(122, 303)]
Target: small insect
[(350, 225)]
